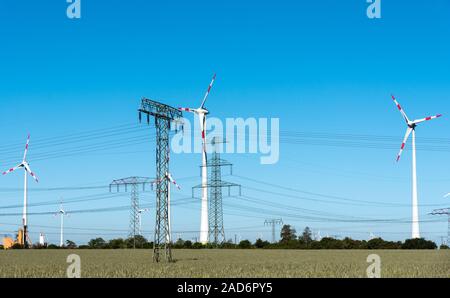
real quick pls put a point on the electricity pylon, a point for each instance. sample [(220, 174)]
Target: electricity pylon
[(445, 211), (215, 185), (164, 117), (134, 184), (273, 223)]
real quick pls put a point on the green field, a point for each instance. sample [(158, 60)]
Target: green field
[(226, 263)]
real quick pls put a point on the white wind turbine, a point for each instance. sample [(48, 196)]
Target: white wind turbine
[(170, 179), (412, 130), (201, 113), (318, 236), (27, 170), (140, 212), (61, 213)]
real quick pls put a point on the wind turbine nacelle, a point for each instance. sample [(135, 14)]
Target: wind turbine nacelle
[(202, 111), (412, 124)]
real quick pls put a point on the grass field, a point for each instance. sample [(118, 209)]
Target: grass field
[(225, 263)]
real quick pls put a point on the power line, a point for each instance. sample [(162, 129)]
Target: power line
[(99, 145), (346, 200), (88, 198)]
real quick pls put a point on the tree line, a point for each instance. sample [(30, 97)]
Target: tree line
[(289, 240)]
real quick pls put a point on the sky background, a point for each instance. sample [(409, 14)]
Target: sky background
[(322, 67)]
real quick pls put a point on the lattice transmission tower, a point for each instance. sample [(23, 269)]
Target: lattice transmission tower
[(273, 223), (445, 211), (164, 116), (216, 186), (132, 184)]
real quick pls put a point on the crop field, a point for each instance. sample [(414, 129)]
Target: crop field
[(225, 263)]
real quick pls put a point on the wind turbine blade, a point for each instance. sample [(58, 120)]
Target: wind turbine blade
[(187, 110), (408, 132), (169, 176), (27, 168), (203, 128), (207, 92), (400, 108), (205, 154), (427, 119), (11, 170), (26, 148)]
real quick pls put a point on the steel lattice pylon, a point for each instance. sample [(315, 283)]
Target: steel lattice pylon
[(134, 183), (215, 186), (273, 223), (134, 216), (164, 116), (216, 228), (445, 211)]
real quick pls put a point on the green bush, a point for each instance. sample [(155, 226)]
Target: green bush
[(245, 244), (419, 243)]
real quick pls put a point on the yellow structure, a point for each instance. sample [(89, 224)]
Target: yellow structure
[(8, 242), (20, 237)]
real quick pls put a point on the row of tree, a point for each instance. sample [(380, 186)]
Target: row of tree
[(289, 240)]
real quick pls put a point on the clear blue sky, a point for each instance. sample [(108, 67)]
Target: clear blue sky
[(322, 67)]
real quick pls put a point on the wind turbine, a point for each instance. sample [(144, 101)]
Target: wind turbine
[(140, 212), (201, 113), (27, 171), (169, 177), (172, 181), (61, 213), (411, 129), (318, 236)]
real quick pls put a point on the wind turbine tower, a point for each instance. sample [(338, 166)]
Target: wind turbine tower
[(411, 129), (61, 213), (201, 112), (140, 212)]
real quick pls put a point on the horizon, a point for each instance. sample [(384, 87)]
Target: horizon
[(324, 70)]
